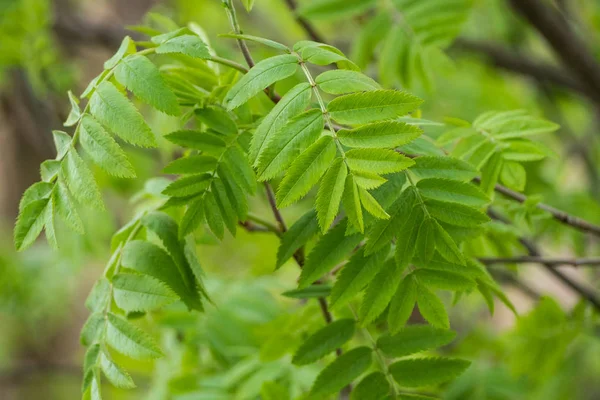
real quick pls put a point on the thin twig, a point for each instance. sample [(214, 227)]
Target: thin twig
[(554, 262), (298, 255), (522, 64), (568, 46), (274, 209), (557, 214), (230, 10), (304, 23), (533, 251)]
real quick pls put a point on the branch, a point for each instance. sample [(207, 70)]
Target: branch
[(533, 251), (508, 60), (557, 214), (304, 23), (567, 45), (554, 262), (298, 256)]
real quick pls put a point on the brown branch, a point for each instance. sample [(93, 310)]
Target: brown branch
[(304, 23), (533, 251), (567, 45), (298, 255), (274, 209), (557, 214), (554, 262), (508, 60)]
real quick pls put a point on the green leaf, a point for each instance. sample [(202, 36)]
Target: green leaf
[(378, 161), (260, 77), (257, 39), (356, 275), (402, 304), (324, 341), (432, 308), (456, 214), (340, 81), (521, 127), (188, 185), (237, 161), (414, 339), (329, 251), (352, 206), (149, 259), (213, 215), (370, 35), (91, 357), (113, 110), (297, 236), (217, 119), (165, 227), (196, 164), (62, 142), (189, 45), (129, 339), (65, 206), (287, 143), (386, 134), (342, 371), (193, 217), (127, 47), (446, 246), (326, 9), (380, 291), (330, 193), (92, 390), (407, 235), (172, 30), (368, 180), (452, 191), (443, 279), (103, 149), (371, 205), (443, 167), (306, 171), (92, 329), (207, 142), (49, 225), (322, 54), (391, 55), (274, 391), (138, 74), (364, 107), (426, 239), (234, 191), (374, 386), (513, 175), (248, 4), (419, 372), (140, 293), (99, 295), (49, 169), (227, 211), (311, 292), (37, 191), (115, 374), (80, 180), (381, 233), (291, 104)]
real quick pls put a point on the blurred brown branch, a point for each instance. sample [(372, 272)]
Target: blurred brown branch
[(555, 262)]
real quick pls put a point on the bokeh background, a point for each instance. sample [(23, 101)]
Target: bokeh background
[(499, 62)]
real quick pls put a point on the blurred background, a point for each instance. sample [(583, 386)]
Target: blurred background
[(500, 61)]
